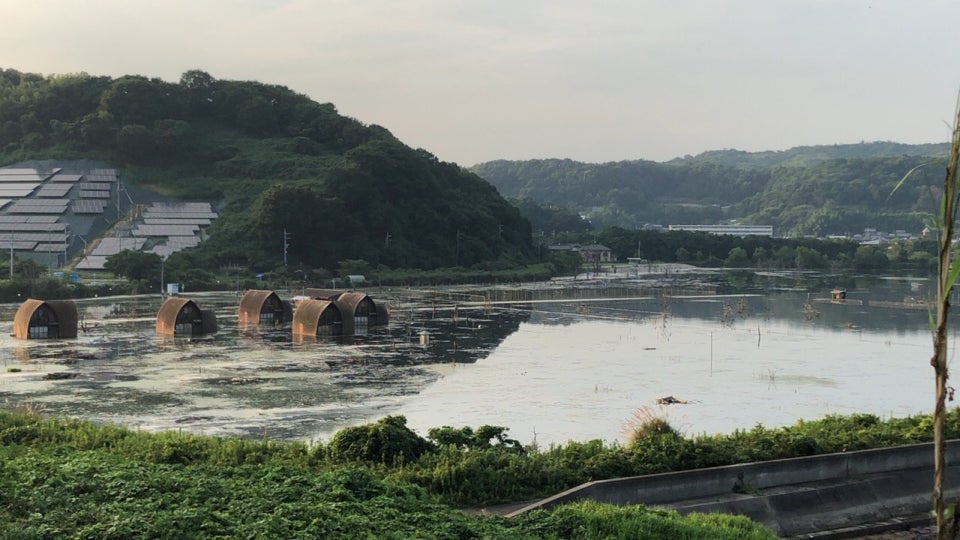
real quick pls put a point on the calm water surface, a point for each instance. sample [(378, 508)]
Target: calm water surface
[(552, 365)]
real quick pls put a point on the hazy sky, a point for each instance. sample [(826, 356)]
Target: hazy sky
[(477, 80)]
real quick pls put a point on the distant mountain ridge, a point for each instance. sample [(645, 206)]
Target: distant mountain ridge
[(811, 190), (810, 155)]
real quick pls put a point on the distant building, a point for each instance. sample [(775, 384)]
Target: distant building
[(732, 230)]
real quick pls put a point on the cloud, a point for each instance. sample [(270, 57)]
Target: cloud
[(474, 80)]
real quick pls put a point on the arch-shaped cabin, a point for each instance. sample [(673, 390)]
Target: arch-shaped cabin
[(361, 309), (263, 307), (182, 317), (314, 317), (52, 319)]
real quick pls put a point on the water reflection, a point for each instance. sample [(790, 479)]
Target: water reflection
[(551, 362), (249, 380)]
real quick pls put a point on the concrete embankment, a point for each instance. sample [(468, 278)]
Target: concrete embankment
[(846, 491)]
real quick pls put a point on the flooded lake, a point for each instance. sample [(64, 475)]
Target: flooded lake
[(550, 362)]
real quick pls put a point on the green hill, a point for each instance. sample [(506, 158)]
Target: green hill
[(801, 156), (800, 192), (270, 160)]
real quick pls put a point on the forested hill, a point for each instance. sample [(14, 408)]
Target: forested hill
[(801, 156), (272, 161), (826, 196)]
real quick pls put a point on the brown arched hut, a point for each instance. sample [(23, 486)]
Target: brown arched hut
[(182, 317), (317, 317), (51, 319), (263, 307), (360, 312)]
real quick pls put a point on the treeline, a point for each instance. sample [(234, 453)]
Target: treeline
[(805, 156), (822, 197), (288, 175), (713, 250)]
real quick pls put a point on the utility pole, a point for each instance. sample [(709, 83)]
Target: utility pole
[(286, 244), (386, 241), (11, 254), (457, 260)]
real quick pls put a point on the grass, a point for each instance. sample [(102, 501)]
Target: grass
[(64, 478)]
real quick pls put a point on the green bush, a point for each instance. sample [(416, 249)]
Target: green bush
[(387, 441)]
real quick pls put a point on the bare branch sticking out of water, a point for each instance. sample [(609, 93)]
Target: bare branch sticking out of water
[(664, 319)]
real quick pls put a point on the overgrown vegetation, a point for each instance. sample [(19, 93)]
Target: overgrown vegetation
[(68, 478), (64, 477)]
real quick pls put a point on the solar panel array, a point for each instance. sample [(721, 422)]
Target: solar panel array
[(17, 190), (64, 178), (88, 206), (112, 245), (175, 244), (51, 208), (54, 190), (33, 202), (49, 247), (28, 219), (203, 222), (167, 230), (25, 175), (12, 171), (102, 175), (32, 227), (35, 237), (92, 262)]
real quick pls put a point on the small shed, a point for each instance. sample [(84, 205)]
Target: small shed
[(180, 316), (315, 317), (51, 319), (263, 307), (838, 295)]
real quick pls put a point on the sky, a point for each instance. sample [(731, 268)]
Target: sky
[(595, 81)]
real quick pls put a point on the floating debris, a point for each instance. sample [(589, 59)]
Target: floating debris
[(60, 375)]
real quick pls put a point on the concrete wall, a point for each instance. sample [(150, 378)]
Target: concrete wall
[(791, 496)]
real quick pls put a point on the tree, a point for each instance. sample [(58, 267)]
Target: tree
[(29, 269), (737, 258), (808, 258), (134, 265)]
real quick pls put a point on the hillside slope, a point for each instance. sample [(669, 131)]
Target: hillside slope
[(823, 196), (272, 161)]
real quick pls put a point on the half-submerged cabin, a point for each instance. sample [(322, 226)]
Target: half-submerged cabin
[(317, 317), (263, 307), (360, 312), (362, 308), (182, 317), (51, 319)]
